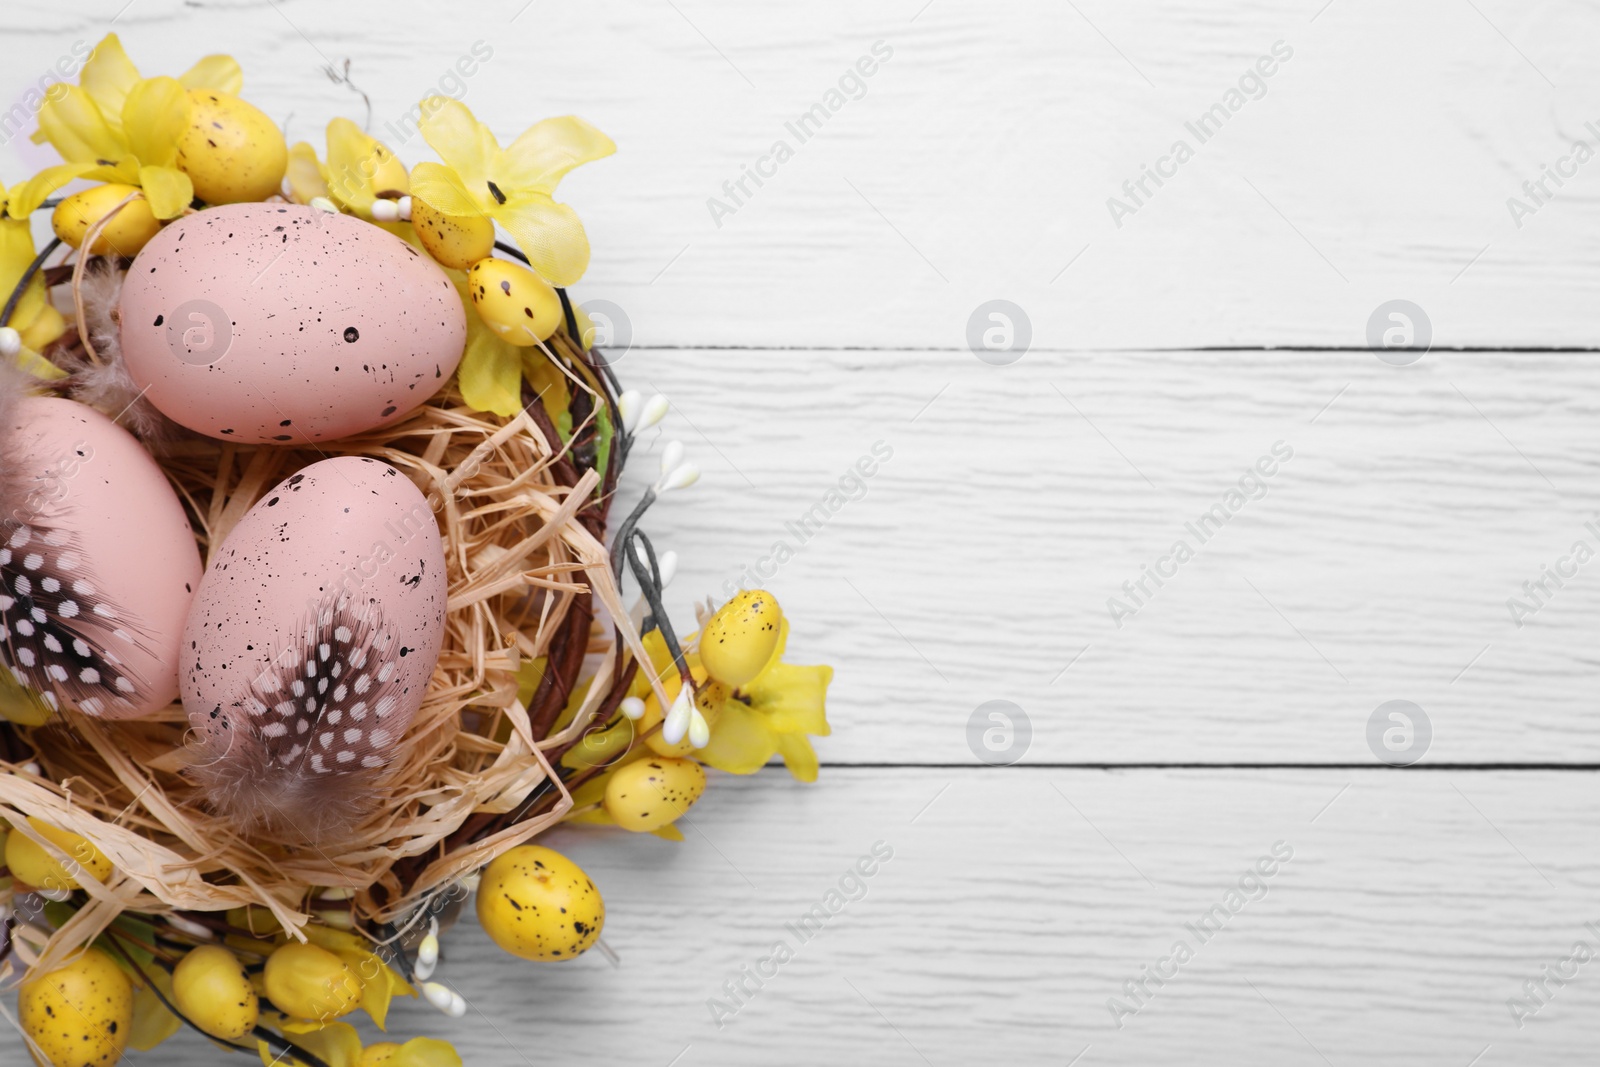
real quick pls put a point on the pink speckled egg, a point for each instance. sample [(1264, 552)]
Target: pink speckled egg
[(274, 323), (313, 637), (98, 563)]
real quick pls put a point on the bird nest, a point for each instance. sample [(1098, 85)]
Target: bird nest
[(523, 514)]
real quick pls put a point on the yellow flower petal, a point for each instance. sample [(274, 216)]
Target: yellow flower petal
[(358, 164), (45, 329), (26, 198), (219, 72), (741, 741), (336, 1044), (152, 1022), (169, 190), (426, 1052), (798, 756), (75, 126), (305, 174), (548, 150), (793, 698), (444, 191), (154, 117), (108, 76), (491, 371), (669, 832), (549, 234), (464, 144), (375, 987)]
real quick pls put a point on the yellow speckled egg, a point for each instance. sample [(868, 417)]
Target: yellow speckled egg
[(230, 150), (739, 640), (535, 903), (456, 241), (32, 864), (282, 324), (516, 303), (650, 793), (124, 235), (308, 982), (80, 1013), (211, 988)]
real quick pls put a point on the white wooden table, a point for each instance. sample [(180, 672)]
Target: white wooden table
[(1228, 713)]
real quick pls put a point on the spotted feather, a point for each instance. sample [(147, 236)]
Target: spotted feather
[(300, 748), (58, 636)]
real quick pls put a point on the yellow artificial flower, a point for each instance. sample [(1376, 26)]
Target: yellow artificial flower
[(116, 126), (34, 318), (360, 169), (772, 716), (513, 186)]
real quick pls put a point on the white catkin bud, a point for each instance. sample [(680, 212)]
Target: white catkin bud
[(667, 563), (683, 477), (677, 723), (427, 957), (440, 996), (339, 920), (55, 896), (699, 730), (655, 409), (190, 927), (458, 1006), (632, 707), (469, 882), (385, 211), (404, 206), (671, 456), (322, 203), (630, 405), (32, 768), (10, 342), (336, 893)]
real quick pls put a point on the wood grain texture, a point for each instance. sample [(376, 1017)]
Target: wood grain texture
[(1017, 903), (978, 562), (979, 159)]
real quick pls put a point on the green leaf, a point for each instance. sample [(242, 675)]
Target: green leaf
[(604, 432)]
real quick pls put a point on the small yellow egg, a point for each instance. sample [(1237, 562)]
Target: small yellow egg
[(710, 698), (38, 868), (231, 151), (308, 982), (535, 903), (650, 793), (124, 235), (514, 302), (211, 988), (80, 1013), (456, 241), (739, 640)]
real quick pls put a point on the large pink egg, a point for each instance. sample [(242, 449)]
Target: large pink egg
[(312, 640), (98, 563), (274, 323)]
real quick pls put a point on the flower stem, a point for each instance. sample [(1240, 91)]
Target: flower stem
[(27, 276)]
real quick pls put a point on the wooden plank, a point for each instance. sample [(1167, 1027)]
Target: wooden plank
[(980, 157), (976, 564), (1017, 903)]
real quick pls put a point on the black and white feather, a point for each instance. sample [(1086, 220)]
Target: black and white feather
[(58, 635), (300, 748)]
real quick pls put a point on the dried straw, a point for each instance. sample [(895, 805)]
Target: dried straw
[(522, 532)]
